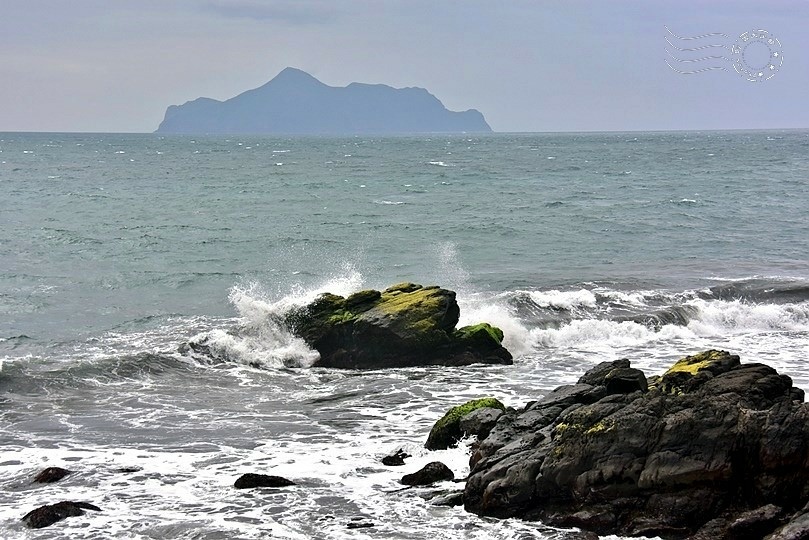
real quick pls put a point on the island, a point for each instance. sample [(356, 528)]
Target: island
[(295, 102)]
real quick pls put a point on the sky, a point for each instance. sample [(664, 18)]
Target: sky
[(599, 65)]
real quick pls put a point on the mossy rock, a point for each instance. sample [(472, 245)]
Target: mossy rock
[(689, 372), (447, 431), (405, 287), (480, 335), (362, 300), (404, 325)]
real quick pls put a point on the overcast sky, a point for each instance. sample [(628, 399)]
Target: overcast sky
[(115, 65)]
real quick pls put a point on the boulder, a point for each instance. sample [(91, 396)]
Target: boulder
[(712, 445), (253, 480), (429, 474), (404, 325), (50, 475), (51, 513), (447, 431)]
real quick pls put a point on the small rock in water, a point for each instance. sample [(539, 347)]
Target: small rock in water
[(51, 513), (395, 459), (50, 475), (429, 474), (252, 480), (360, 525), (451, 498)]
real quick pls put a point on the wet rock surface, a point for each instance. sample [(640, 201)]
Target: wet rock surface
[(49, 514), (254, 480), (711, 445), (429, 474), (404, 325), (50, 475), (447, 431)]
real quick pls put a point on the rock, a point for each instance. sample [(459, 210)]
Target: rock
[(796, 529), (51, 513), (51, 475), (452, 498), (711, 449), (755, 524), (429, 474), (253, 480), (360, 525), (480, 422), (395, 459), (447, 431), (404, 325)]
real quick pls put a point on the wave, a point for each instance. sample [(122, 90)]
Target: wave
[(261, 339), (586, 317), (593, 315)]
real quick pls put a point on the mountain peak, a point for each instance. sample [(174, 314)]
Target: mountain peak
[(294, 75)]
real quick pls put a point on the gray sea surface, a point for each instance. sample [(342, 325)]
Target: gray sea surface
[(117, 249)]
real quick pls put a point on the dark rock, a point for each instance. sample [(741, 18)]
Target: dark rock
[(452, 498), (360, 525), (796, 529), (755, 524), (396, 459), (625, 381), (429, 474), (253, 480), (404, 325), (713, 448), (51, 513), (480, 422), (446, 432), (50, 475)]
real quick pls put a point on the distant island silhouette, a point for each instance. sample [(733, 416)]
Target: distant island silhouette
[(294, 102)]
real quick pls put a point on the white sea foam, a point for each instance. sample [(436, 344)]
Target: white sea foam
[(261, 338), (568, 300)]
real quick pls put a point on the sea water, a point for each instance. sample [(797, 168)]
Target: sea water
[(117, 249)]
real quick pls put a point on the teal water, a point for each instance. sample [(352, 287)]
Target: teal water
[(116, 249)]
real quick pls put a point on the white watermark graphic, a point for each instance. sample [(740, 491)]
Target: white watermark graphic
[(755, 55)]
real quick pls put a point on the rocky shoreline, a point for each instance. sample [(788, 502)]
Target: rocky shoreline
[(711, 449)]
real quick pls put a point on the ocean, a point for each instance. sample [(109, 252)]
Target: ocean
[(115, 250)]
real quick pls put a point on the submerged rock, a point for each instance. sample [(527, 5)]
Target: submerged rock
[(712, 444), (50, 475), (253, 480), (429, 474), (404, 325), (51, 513), (447, 431)]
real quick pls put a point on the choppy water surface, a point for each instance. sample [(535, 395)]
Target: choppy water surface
[(116, 249)]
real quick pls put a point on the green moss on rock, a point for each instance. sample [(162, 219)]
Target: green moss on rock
[(447, 431), (362, 300), (405, 324), (480, 334), (686, 372)]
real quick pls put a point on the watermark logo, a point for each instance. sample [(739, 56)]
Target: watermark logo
[(755, 55)]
